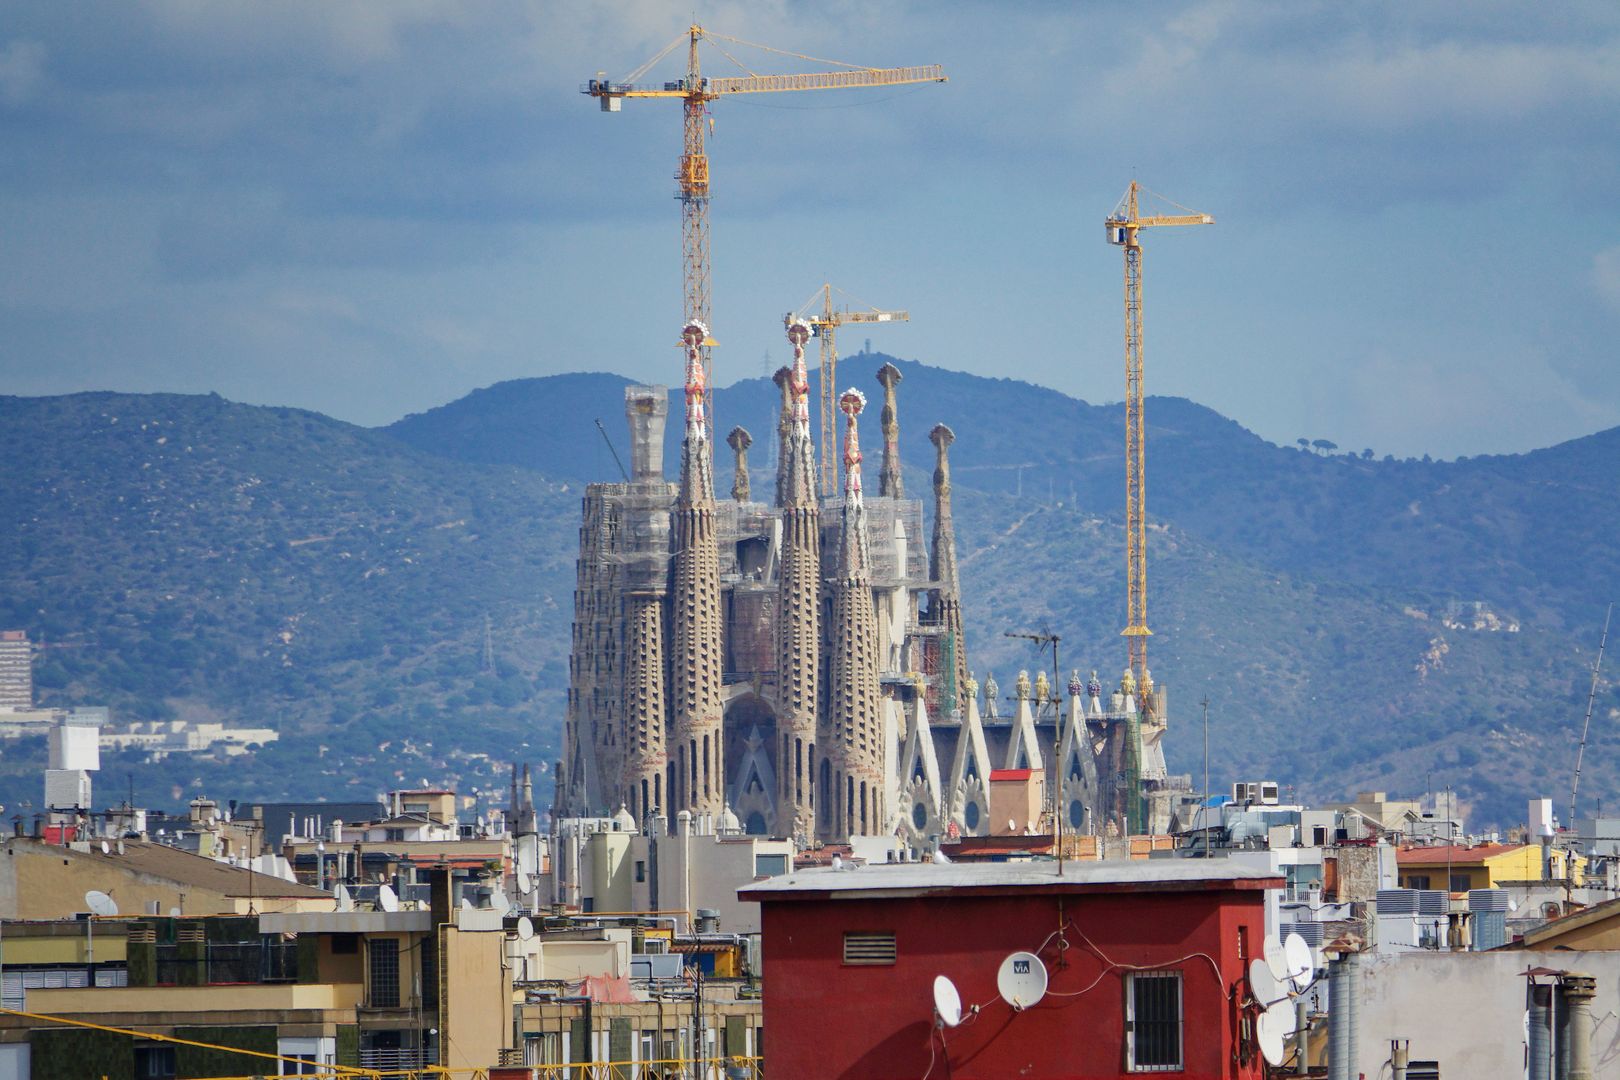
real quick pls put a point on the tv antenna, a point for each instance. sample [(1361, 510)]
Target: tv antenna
[(947, 1002), (1285, 972), (1591, 698), (1021, 982)]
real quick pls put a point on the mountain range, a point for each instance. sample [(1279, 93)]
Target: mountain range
[(396, 601)]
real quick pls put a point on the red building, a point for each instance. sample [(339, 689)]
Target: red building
[(1145, 961)]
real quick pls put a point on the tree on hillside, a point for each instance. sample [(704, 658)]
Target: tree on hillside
[(1304, 443), (1325, 445)]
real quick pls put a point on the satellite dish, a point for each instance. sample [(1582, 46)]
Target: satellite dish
[(525, 929), (106, 848), (499, 902), (947, 1002), (1266, 987), (174, 913), (1269, 1034), (387, 899), (466, 904), (1300, 965), (525, 886), (1021, 982), (525, 859), (100, 903), (1276, 959), (345, 902)]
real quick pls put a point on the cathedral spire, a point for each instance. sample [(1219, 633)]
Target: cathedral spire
[(784, 425), (945, 605), (798, 623), (698, 780), (739, 440), (889, 481), (853, 707)]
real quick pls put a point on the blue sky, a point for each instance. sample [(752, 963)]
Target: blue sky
[(371, 209)]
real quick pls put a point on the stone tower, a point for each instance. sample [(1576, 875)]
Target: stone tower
[(798, 622), (739, 440), (696, 705), (945, 603), (854, 704), (646, 587), (889, 481)]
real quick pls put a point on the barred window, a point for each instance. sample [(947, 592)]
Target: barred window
[(1153, 1021), (869, 948), (383, 954)]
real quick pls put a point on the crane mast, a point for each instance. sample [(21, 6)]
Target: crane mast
[(825, 323), (695, 91), (1123, 226)]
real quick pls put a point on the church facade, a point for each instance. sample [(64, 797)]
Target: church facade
[(798, 666)]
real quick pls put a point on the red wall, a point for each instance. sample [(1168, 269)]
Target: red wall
[(825, 1019)]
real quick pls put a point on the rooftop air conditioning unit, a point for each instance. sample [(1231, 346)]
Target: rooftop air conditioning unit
[(1268, 792)]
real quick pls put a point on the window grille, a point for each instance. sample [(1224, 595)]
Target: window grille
[(383, 955), (1153, 1021)]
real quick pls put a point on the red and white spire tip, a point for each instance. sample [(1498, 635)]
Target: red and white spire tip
[(851, 403), (693, 335)]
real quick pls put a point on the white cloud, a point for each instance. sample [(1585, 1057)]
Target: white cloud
[(22, 71), (1606, 276)]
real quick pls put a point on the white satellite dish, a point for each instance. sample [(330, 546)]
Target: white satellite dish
[(1269, 1034), (1266, 987), (345, 902), (947, 1002), (525, 928), (525, 886), (1021, 982), (1300, 965), (466, 904), (100, 903), (174, 913), (387, 899), (499, 902), (525, 859), (106, 848), (1276, 959)]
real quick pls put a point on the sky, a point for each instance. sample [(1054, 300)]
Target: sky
[(370, 209)]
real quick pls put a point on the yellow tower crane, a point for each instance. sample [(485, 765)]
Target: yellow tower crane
[(1123, 226), (826, 323), (695, 91)]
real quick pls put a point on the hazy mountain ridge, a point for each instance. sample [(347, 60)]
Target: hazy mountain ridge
[(204, 559), (186, 557)]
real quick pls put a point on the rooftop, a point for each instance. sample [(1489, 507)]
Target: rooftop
[(913, 879), (1452, 853), (173, 864)]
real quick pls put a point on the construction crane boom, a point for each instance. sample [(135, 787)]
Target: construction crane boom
[(695, 91), (1123, 226), (825, 323)]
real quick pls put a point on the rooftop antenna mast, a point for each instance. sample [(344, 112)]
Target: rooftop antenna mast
[(1591, 699), (611, 450)]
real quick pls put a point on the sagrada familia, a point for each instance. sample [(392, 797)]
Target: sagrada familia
[(800, 668)]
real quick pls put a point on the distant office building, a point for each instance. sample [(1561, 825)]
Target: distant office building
[(16, 670)]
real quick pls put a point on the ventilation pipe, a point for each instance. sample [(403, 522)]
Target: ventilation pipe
[(1540, 1048), (1344, 990), (1302, 1037), (1399, 1055), (1577, 989)]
